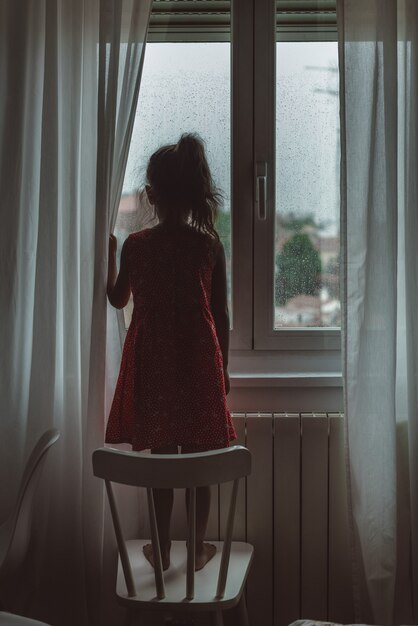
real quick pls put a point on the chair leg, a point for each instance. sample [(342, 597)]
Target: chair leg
[(242, 612), (217, 619)]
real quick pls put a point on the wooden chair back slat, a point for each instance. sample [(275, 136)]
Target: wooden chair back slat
[(226, 551), (168, 471), (126, 566), (156, 550), (191, 544)]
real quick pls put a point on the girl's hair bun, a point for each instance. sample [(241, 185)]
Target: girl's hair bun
[(190, 150), (189, 141), (182, 182)]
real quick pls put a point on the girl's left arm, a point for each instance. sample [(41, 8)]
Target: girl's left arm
[(219, 306), (118, 287)]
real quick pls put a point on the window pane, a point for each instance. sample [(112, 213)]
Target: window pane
[(307, 244), (185, 87)]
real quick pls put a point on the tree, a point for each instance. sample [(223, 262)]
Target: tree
[(297, 223), (298, 269)]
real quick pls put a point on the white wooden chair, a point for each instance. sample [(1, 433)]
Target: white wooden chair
[(15, 530), (220, 584)]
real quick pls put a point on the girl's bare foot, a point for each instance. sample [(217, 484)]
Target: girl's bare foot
[(203, 555), (165, 556)]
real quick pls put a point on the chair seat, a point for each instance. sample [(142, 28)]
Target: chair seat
[(175, 578), (8, 619)]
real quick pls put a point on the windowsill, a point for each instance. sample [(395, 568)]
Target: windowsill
[(286, 392), (291, 379)]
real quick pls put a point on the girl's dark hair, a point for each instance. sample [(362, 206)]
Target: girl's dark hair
[(182, 183)]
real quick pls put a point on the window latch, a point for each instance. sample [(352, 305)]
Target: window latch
[(261, 189)]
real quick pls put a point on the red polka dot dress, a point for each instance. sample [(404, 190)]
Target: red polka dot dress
[(170, 389)]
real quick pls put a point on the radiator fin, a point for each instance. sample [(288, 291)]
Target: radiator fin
[(286, 574)]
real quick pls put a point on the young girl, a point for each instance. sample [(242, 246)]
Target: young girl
[(173, 378)]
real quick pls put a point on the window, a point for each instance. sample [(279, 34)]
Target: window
[(296, 221), (185, 87), (178, 82), (265, 100), (306, 246)]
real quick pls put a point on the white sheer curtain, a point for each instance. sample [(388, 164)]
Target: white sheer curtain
[(379, 110), (70, 76)]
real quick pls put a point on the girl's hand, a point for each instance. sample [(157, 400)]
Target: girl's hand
[(227, 382), (113, 244), (118, 287)]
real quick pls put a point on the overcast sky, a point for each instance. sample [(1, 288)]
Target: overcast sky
[(186, 88)]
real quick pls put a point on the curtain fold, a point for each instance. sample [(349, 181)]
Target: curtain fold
[(123, 30), (58, 203), (378, 68)]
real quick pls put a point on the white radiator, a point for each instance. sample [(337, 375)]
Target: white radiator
[(292, 508)]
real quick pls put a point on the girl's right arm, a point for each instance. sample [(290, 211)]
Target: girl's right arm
[(219, 306), (118, 287)]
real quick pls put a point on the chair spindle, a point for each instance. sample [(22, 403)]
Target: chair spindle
[(126, 566), (191, 545), (226, 552), (156, 550)]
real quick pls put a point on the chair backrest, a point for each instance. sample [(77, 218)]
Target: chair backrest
[(19, 521), (165, 471)]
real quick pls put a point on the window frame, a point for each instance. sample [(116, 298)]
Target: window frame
[(240, 34), (253, 35), (266, 36), (242, 184)]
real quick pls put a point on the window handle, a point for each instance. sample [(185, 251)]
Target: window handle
[(261, 189)]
